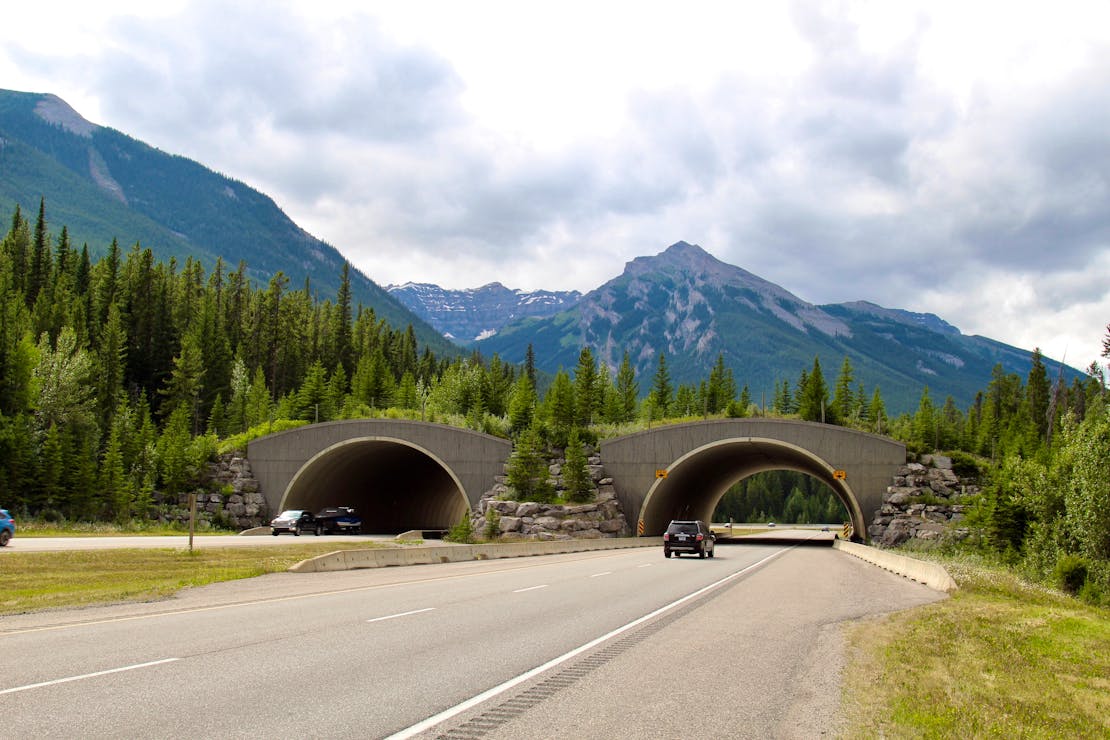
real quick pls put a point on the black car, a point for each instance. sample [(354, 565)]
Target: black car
[(688, 536)]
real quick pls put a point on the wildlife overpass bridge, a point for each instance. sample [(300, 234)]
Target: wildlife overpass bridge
[(402, 475)]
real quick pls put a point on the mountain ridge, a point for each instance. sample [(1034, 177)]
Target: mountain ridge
[(103, 184), (692, 307), (472, 314)]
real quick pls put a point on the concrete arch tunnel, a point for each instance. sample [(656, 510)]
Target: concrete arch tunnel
[(681, 471), (399, 475), (696, 483), (393, 485)]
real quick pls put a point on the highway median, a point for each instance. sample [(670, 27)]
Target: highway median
[(453, 553)]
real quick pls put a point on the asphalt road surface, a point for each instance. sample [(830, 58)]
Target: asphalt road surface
[(606, 644)]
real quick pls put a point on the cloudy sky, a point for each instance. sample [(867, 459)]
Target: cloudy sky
[(949, 157)]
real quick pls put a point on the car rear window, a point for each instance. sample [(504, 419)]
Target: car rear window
[(683, 527)]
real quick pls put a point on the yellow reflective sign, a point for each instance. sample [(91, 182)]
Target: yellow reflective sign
[(660, 473), (840, 474)]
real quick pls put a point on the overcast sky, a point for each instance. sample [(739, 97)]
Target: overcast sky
[(952, 157)]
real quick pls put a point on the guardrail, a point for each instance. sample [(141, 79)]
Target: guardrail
[(930, 574), (428, 554)]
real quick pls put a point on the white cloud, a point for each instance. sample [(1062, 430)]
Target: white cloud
[(940, 156)]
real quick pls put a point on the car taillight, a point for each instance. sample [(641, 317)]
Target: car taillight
[(700, 537), (666, 537)]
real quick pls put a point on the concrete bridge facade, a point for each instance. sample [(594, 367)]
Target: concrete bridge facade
[(398, 474), (403, 475), (681, 471)]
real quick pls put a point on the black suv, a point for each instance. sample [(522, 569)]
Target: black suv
[(694, 536)]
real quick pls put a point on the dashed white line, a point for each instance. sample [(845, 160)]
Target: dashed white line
[(86, 675), (402, 614), (599, 575), (501, 688), (645, 565), (530, 588)]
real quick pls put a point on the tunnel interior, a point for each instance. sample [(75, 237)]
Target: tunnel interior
[(394, 487), (695, 484)]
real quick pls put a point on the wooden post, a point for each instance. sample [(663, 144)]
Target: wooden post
[(192, 517)]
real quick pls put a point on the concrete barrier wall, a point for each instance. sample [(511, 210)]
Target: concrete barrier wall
[(428, 554), (930, 574)]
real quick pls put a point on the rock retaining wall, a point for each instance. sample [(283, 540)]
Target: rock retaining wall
[(527, 520), (231, 498), (925, 502)]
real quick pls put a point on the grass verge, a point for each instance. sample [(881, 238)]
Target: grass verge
[(25, 528), (34, 581), (1000, 658)]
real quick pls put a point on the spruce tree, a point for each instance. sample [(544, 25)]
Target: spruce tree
[(587, 395), (844, 402), (813, 395), (628, 390), (527, 471), (661, 389), (576, 476)]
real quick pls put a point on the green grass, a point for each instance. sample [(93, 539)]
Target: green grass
[(1001, 658), (34, 581), (36, 528)]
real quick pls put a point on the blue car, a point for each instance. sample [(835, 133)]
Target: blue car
[(7, 527)]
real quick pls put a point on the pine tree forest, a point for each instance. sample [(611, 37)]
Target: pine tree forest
[(122, 376)]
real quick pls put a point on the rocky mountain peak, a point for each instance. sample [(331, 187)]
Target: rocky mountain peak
[(54, 110)]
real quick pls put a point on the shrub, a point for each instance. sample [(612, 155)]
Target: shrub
[(964, 464), (493, 523), (1071, 573), (462, 532)]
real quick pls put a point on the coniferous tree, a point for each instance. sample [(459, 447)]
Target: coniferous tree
[(844, 402), (587, 390), (813, 395), (112, 364), (1037, 393), (661, 390), (560, 407), (527, 471), (186, 382), (628, 391), (342, 321), (312, 397), (530, 364), (576, 477), (39, 272), (522, 405)]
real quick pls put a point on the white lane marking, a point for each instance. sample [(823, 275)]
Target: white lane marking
[(645, 565), (503, 687), (87, 675), (599, 575), (530, 588), (402, 614)]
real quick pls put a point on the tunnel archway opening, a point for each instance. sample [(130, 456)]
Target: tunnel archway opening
[(393, 485), (782, 496), (694, 484)]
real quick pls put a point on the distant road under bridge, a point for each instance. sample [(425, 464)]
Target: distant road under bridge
[(403, 475)]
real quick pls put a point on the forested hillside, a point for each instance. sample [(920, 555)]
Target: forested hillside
[(103, 184)]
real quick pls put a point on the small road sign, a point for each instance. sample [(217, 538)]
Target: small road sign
[(840, 474), (661, 473)]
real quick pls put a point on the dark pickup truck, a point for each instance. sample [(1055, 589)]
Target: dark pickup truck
[(338, 520)]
